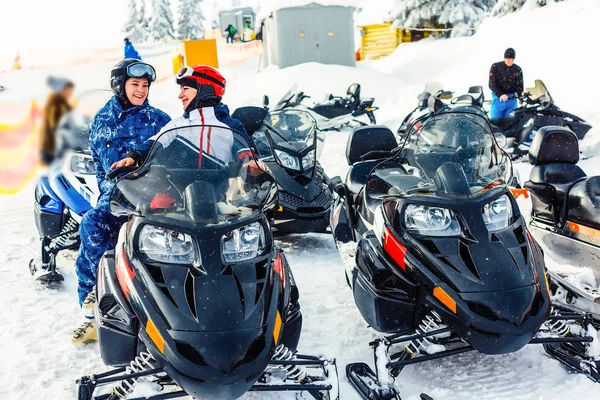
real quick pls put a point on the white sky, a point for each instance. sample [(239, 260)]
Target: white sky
[(60, 23)]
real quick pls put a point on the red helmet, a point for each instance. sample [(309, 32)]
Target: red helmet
[(209, 82)]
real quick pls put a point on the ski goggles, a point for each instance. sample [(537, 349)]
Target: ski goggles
[(138, 70), (187, 72)]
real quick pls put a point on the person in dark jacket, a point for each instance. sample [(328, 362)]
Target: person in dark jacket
[(129, 51), (56, 107), (506, 84), (231, 31), (202, 88), (125, 122)]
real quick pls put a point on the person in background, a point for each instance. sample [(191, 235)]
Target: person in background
[(230, 31), (506, 84), (56, 107), (129, 51), (125, 122)]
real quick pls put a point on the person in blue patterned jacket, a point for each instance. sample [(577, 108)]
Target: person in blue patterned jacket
[(125, 122)]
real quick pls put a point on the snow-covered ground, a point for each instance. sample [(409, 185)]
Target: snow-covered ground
[(555, 44)]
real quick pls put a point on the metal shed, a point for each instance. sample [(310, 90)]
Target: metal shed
[(309, 33), (237, 17)]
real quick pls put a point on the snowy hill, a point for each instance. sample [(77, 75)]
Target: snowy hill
[(556, 44)]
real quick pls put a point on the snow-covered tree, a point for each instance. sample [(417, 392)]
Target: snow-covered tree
[(464, 16), (161, 23), (191, 19), (132, 27), (504, 7), (143, 21)]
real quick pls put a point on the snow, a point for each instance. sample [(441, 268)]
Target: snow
[(554, 43)]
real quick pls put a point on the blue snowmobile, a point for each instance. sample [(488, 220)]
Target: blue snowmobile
[(68, 190)]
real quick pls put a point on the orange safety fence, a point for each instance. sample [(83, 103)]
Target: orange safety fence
[(19, 158)]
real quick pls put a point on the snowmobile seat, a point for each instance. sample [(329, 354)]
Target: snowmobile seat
[(554, 152), (358, 174), (478, 95), (584, 202), (353, 96), (503, 124), (367, 139)]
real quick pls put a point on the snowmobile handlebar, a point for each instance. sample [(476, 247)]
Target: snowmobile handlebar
[(123, 170)]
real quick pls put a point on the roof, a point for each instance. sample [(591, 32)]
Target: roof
[(266, 7)]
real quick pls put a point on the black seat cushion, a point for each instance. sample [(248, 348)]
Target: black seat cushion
[(549, 186), (357, 175), (554, 144), (584, 202), (369, 138)]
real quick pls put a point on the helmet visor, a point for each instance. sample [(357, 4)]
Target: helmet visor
[(141, 70)]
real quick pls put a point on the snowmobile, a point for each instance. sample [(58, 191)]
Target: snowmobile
[(565, 215), (68, 190), (437, 254), (538, 111), (432, 88), (197, 299), (335, 112), (289, 144)]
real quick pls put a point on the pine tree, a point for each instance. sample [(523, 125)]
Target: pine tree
[(191, 19), (143, 22), (463, 15), (132, 28), (161, 24)]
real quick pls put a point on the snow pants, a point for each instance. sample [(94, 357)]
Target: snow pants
[(99, 230), (501, 109), (230, 37)]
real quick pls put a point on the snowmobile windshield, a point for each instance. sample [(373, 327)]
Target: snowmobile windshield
[(540, 93), (451, 152), (287, 97), (291, 138), (207, 174), (73, 131)]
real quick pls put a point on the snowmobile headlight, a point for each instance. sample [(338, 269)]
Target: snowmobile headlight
[(167, 246), (432, 221), (243, 243), (81, 164), (308, 160), (497, 214), (287, 161)]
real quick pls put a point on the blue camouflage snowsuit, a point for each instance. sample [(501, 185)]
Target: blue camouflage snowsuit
[(115, 132), (130, 52)]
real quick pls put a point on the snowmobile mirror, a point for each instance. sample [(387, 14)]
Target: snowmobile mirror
[(330, 97), (265, 101)]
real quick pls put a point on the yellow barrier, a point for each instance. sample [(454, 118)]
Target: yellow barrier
[(201, 52)]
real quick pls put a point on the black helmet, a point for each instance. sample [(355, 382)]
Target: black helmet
[(129, 68)]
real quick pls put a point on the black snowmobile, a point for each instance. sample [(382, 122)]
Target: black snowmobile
[(565, 215), (197, 299), (432, 88), (289, 144), (538, 111), (336, 111), (437, 253)]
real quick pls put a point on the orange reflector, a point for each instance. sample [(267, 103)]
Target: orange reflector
[(445, 298), (124, 273), (280, 209), (518, 192), (155, 336), (394, 248), (278, 267), (547, 283), (584, 230), (277, 328)]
